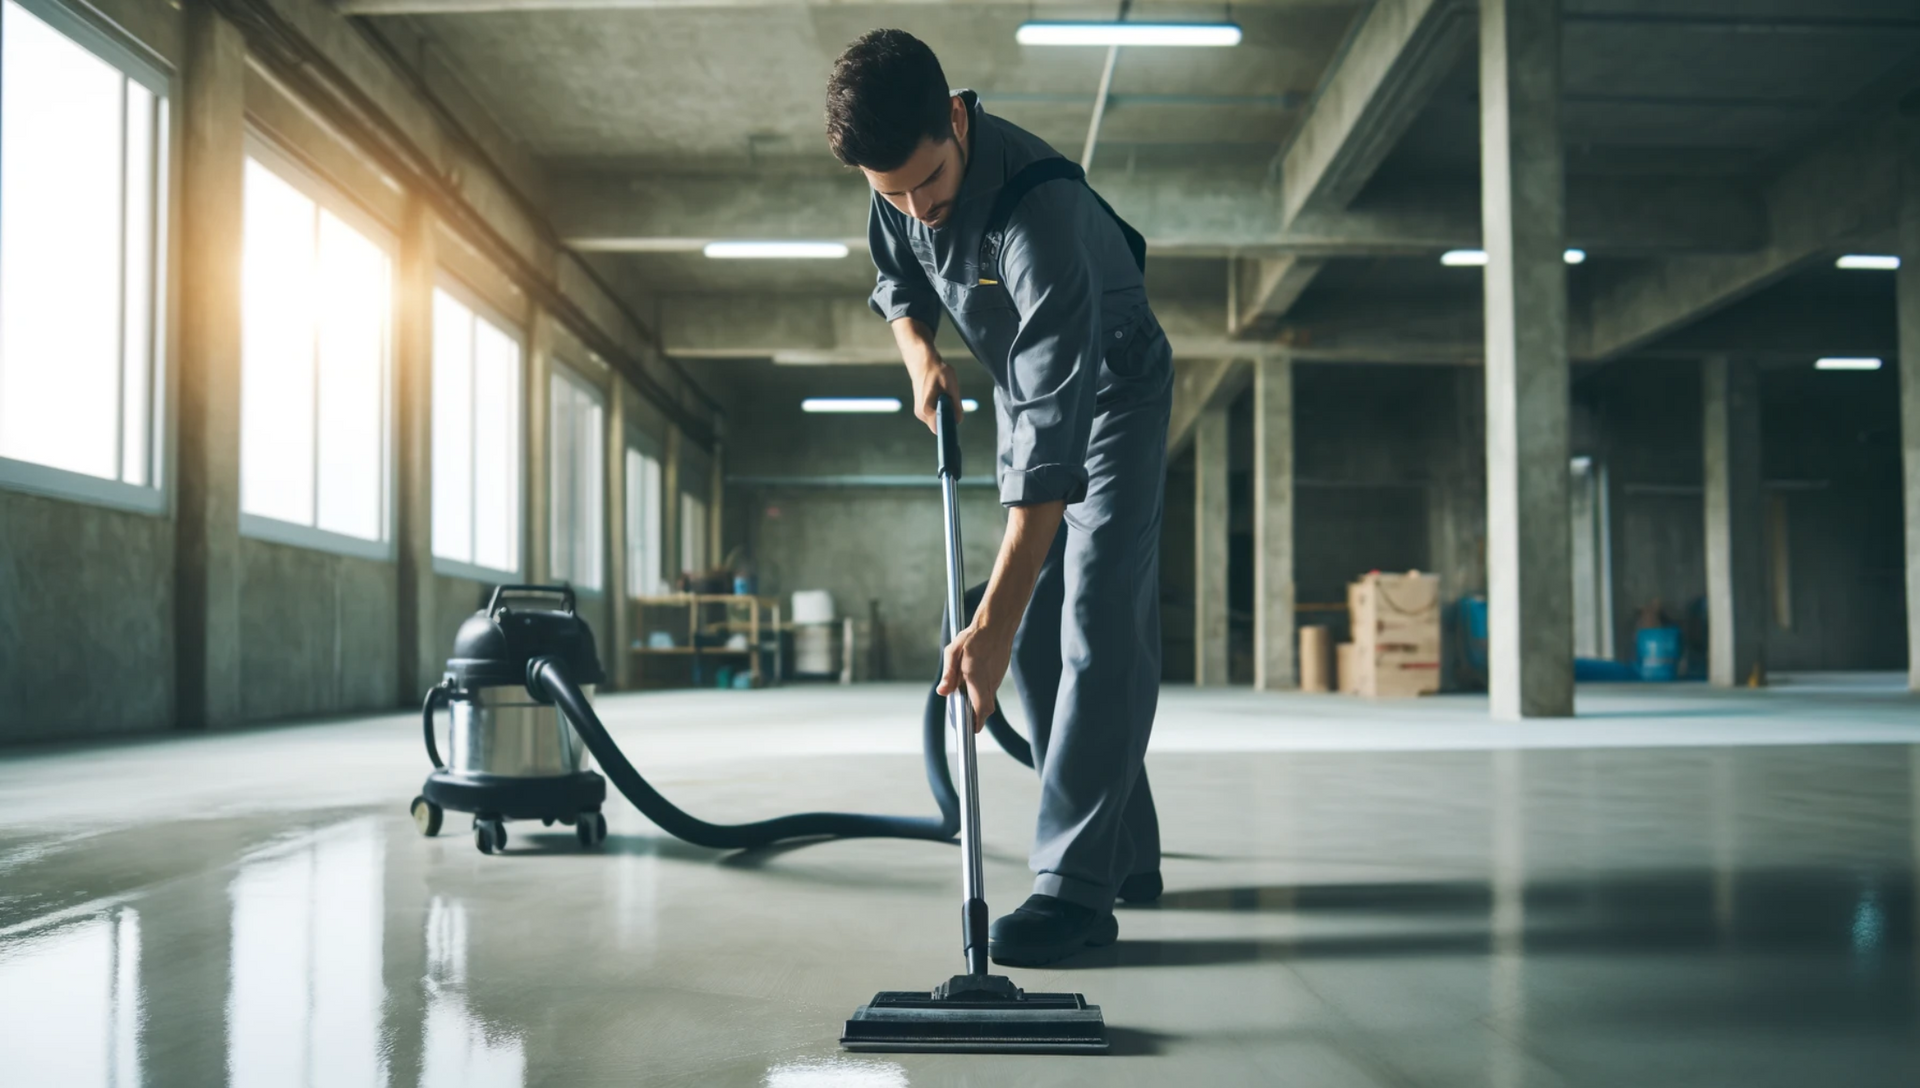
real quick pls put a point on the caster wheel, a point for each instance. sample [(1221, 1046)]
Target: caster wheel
[(546, 821), (426, 816), (590, 828), (489, 835)]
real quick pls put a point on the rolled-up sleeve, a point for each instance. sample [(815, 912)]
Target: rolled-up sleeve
[(901, 288), (1053, 367)]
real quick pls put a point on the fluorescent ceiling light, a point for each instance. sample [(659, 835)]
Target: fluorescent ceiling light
[(1847, 364), (1870, 261), (776, 250), (879, 405), (1051, 33), (1474, 258)]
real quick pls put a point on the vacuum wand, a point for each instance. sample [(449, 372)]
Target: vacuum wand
[(973, 911), (976, 1012)]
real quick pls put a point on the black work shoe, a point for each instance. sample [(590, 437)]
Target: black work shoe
[(1046, 928), (1142, 887)]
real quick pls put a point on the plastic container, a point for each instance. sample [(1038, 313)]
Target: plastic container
[(1657, 653)]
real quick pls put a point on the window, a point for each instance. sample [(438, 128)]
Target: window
[(693, 533), (476, 441), (83, 149), (316, 297), (578, 496), (646, 573)]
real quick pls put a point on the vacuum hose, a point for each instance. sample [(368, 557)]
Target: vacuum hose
[(547, 680)]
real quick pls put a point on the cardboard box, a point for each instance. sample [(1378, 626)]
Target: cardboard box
[(1395, 608), (1396, 634), (1313, 659)]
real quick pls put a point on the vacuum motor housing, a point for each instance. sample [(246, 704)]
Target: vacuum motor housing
[(510, 755)]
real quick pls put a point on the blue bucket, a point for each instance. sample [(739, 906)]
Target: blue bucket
[(1657, 652)]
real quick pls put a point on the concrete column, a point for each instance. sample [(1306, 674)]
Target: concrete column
[(422, 650), (670, 510), (1907, 293), (207, 428), (1275, 661), (1210, 513), (619, 621), (1529, 551), (538, 532), (716, 506), (1737, 603)]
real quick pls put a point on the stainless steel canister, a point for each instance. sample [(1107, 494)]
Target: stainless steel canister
[(502, 731)]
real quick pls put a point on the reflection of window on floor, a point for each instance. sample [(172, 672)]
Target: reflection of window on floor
[(461, 1051), (304, 1006), (70, 1005)]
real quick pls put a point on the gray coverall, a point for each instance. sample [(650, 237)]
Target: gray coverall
[(1083, 383)]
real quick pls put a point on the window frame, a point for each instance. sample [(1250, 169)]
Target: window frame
[(154, 498), (563, 371), (699, 500), (334, 200), (515, 331), (638, 441)]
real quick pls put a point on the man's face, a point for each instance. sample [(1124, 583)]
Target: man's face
[(926, 185)]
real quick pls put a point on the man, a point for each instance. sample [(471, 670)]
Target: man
[(1056, 309)]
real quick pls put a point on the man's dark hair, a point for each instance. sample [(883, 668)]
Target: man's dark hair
[(887, 93)]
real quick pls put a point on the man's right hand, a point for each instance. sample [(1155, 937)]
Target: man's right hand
[(931, 375), (933, 379)]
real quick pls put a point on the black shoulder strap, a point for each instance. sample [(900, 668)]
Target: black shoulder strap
[(1035, 173)]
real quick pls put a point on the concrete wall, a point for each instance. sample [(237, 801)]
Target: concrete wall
[(1830, 456), (860, 543), (86, 619), (319, 632)]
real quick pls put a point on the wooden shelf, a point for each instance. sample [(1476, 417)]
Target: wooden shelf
[(693, 618)]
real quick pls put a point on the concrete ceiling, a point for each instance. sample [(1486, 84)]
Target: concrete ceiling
[(1693, 137), (680, 88)]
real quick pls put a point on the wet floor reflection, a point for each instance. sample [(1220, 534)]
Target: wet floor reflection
[(70, 1011), (1551, 919), (838, 1072), (304, 1005), (461, 1051)]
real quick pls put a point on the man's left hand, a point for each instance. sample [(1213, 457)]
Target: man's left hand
[(978, 658)]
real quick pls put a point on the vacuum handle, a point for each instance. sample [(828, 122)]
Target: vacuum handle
[(946, 427), (565, 593)]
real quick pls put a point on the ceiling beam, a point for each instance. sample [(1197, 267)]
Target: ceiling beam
[(1389, 70), (1381, 80), (1199, 385), (1842, 193), (1260, 290), (462, 7), (840, 330), (1182, 211)]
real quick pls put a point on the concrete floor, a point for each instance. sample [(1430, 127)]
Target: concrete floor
[(1680, 887)]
